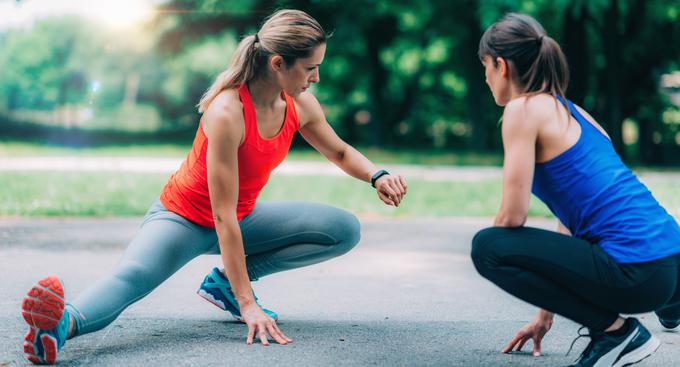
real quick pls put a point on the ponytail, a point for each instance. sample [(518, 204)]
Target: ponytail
[(538, 61), (240, 71), (292, 34)]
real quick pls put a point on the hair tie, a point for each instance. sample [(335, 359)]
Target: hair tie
[(539, 40), (257, 39)]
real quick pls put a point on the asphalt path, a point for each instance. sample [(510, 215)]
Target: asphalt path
[(408, 295)]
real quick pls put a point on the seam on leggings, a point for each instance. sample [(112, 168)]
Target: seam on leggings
[(335, 241)]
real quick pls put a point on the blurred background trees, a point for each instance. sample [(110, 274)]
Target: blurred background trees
[(396, 74)]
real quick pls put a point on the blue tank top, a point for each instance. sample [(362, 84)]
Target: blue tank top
[(601, 201)]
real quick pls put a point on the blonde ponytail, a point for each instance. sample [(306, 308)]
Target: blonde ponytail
[(293, 34)]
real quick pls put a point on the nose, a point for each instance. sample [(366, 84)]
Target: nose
[(315, 77)]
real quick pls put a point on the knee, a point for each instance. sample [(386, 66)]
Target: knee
[(482, 249), (347, 232)]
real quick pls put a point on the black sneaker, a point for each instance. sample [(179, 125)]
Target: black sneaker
[(605, 350), (669, 324)]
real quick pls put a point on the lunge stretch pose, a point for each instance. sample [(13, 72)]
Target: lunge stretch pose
[(208, 206), (617, 250)]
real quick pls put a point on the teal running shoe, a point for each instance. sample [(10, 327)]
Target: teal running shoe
[(217, 290), (48, 321)]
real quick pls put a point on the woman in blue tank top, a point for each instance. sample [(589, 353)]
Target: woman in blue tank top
[(617, 250)]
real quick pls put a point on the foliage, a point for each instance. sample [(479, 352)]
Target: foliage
[(396, 73)]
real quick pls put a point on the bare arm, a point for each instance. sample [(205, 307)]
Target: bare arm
[(319, 134), (519, 144), (224, 130), (224, 136)]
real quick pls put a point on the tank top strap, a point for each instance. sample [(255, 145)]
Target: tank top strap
[(582, 121), (249, 115)]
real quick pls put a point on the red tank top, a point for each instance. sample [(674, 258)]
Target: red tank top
[(186, 192)]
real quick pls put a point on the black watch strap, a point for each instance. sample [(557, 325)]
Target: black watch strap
[(377, 175)]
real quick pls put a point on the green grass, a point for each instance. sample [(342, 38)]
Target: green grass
[(126, 194), (130, 194), (384, 156)]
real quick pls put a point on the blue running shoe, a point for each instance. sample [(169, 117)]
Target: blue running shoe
[(217, 290), (48, 321), (617, 351)]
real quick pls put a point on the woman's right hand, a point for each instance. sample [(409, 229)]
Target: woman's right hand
[(534, 330), (259, 323)]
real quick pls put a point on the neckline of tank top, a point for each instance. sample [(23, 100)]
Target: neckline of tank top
[(286, 114)]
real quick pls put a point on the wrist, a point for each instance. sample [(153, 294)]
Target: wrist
[(546, 315), (245, 302), (377, 176)]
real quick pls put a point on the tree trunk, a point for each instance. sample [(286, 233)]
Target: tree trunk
[(379, 33), (613, 94), (575, 45), (474, 78)]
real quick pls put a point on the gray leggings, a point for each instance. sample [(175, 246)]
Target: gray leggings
[(277, 236)]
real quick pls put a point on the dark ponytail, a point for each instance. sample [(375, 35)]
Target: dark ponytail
[(538, 63)]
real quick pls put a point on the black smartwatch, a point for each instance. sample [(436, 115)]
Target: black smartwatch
[(377, 175)]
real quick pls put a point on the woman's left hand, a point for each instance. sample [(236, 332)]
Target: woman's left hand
[(391, 189)]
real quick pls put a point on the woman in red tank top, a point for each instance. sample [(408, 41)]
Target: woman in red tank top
[(241, 139), (209, 206)]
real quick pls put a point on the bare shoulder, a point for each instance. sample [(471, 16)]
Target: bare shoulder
[(533, 111), (308, 108), (224, 115), (523, 113)]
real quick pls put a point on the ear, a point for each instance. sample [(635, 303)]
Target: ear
[(276, 62), (503, 66)]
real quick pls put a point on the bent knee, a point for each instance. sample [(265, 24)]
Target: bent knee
[(348, 232), (484, 247), (481, 243)]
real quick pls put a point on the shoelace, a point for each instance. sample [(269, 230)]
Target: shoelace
[(588, 348)]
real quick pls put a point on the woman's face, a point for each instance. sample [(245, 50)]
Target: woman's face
[(497, 79), (305, 71)]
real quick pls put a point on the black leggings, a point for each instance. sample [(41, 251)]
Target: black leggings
[(574, 278)]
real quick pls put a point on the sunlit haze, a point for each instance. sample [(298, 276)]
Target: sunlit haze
[(117, 14)]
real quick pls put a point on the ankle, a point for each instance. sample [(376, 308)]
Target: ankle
[(70, 327), (618, 324)]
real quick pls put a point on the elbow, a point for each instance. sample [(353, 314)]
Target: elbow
[(510, 220), (337, 157)]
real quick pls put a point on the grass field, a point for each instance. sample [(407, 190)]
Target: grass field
[(401, 156), (130, 194)]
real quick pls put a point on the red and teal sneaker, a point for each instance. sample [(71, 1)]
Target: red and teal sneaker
[(48, 321), (217, 290)]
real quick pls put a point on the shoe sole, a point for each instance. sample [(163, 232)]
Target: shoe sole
[(669, 325), (642, 352), (42, 308), (219, 304)]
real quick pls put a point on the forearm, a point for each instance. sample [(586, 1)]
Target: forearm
[(233, 259), (354, 163)]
